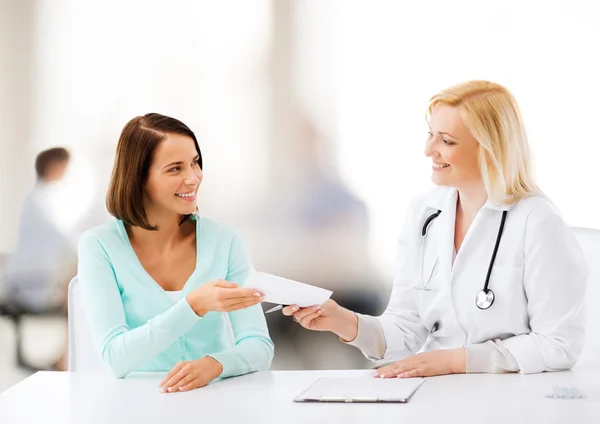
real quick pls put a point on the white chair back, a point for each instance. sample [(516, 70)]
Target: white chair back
[(83, 355), (589, 240)]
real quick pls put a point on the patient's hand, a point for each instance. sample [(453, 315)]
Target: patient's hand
[(189, 375), (222, 296)]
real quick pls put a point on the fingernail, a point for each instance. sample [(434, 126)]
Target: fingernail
[(381, 375), (295, 308), (257, 294), (161, 389), (316, 308), (320, 311), (181, 389), (170, 389)]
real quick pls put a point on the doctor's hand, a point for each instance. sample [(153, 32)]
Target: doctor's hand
[(427, 364), (327, 317), (191, 375)]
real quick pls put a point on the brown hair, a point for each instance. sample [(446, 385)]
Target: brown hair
[(135, 152), (47, 158)]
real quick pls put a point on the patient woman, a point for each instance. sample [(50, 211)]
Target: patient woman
[(162, 286)]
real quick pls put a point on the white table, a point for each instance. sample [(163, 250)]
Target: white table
[(266, 397)]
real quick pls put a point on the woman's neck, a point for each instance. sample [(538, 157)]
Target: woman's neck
[(470, 201), (168, 234)]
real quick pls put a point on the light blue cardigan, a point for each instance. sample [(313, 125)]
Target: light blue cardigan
[(136, 326)]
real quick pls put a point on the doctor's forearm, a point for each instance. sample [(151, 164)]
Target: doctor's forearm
[(345, 324), (490, 357), (369, 338)]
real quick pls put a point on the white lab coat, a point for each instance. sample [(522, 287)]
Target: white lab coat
[(538, 278)]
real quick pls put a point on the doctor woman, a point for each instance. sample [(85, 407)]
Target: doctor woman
[(489, 278)]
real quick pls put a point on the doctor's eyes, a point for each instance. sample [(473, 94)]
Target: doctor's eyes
[(446, 142)]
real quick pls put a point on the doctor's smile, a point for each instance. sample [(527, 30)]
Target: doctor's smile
[(440, 166)]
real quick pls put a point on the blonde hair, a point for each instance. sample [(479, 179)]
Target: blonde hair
[(492, 116)]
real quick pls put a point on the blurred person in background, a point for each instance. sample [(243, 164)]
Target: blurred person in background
[(162, 286), (328, 223), (316, 230), (37, 274), (473, 294)]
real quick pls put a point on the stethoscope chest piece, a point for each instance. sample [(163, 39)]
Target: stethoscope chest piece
[(485, 299)]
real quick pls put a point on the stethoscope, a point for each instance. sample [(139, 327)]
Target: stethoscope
[(485, 298)]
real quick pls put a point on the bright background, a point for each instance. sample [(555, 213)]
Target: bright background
[(310, 116)]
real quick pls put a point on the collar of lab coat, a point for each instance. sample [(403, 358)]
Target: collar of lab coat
[(443, 197)]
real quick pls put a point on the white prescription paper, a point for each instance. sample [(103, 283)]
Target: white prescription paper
[(286, 292)]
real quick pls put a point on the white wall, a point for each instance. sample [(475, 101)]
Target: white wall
[(16, 166), (364, 70), (396, 55), (99, 64)]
